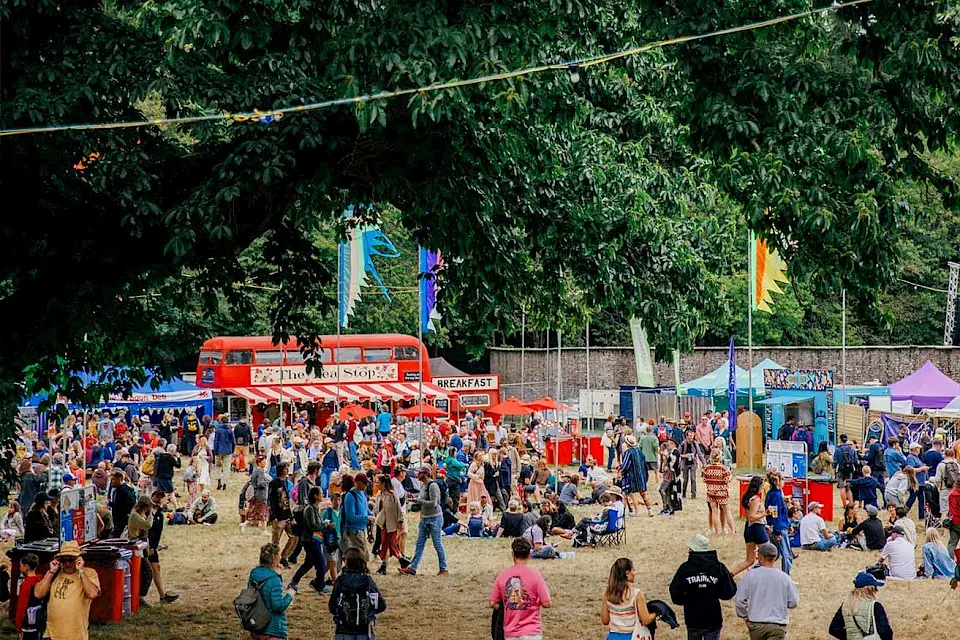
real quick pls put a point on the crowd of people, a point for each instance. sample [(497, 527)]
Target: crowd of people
[(341, 495)]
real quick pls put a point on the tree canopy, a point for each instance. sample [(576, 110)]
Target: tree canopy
[(561, 192)]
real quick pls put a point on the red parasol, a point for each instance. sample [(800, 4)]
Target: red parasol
[(428, 411), (355, 412), (510, 407), (547, 404)]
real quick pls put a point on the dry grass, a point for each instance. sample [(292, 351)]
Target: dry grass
[(208, 566)]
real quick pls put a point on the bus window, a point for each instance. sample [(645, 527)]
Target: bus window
[(244, 356), (270, 357), (211, 357), (405, 353), (348, 354), (295, 357), (376, 355)]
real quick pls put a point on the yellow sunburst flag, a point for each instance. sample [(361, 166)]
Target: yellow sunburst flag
[(769, 269)]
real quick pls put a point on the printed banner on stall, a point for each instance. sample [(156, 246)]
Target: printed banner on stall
[(915, 429), (78, 515)]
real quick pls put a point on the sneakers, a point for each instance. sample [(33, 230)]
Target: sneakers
[(383, 569), (170, 597), (293, 587), (404, 561), (407, 571), (243, 527), (144, 603), (318, 589)]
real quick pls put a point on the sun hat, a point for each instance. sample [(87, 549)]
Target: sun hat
[(699, 543), (69, 549), (768, 550), (525, 459), (864, 579), (631, 441), (813, 505), (615, 490)]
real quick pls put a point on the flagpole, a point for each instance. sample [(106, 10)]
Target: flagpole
[(523, 352), (421, 348), (589, 412), (335, 359), (556, 413), (546, 366), (751, 268), (843, 346)]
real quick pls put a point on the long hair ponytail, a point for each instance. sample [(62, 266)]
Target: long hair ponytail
[(617, 583), (753, 489)]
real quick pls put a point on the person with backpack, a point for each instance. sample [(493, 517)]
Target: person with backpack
[(356, 600), (846, 460), (311, 540), (263, 604), (301, 497), (946, 477), (431, 521), (861, 616), (356, 515)]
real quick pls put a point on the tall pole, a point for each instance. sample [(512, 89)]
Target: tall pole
[(589, 412), (336, 358), (546, 367), (421, 349), (283, 429), (523, 352), (843, 346), (751, 293), (559, 367)]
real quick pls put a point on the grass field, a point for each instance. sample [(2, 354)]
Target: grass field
[(208, 566)]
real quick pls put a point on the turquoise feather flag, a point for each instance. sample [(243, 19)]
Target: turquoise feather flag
[(356, 262)]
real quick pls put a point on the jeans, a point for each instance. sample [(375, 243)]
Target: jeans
[(325, 479), (918, 497), (546, 552), (431, 527), (665, 493), (823, 544), (314, 560), (703, 634), (354, 460), (611, 455), (782, 540), (690, 480)]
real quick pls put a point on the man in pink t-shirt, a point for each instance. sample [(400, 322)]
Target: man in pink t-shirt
[(522, 592)]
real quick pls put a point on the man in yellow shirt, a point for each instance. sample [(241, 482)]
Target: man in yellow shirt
[(72, 587)]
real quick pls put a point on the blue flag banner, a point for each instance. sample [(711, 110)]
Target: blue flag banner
[(915, 429), (430, 264), (732, 388)]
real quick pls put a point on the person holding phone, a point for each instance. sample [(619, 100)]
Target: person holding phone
[(72, 587)]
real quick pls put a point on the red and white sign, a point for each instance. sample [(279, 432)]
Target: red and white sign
[(468, 383), (383, 372)]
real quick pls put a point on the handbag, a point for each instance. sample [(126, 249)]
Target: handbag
[(640, 632), (871, 632)]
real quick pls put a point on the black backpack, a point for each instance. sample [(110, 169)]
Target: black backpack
[(251, 608), (847, 462), (353, 606)]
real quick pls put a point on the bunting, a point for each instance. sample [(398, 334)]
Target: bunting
[(769, 269), (430, 264), (356, 261)]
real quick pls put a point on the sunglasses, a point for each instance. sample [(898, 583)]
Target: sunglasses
[(67, 558)]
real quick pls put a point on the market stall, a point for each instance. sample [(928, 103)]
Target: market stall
[(925, 388)]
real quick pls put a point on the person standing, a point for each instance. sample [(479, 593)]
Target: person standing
[(72, 588), (431, 522), (765, 596), (633, 476), (355, 516), (846, 460), (861, 616), (353, 586), (521, 592), (164, 462), (266, 578), (623, 607), (243, 436), (754, 528), (281, 515), (946, 477), (698, 586), (224, 444), (312, 526), (122, 501), (690, 455), (716, 477), (650, 446), (952, 520), (778, 521), (389, 519)]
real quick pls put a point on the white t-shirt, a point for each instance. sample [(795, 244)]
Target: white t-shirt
[(899, 555), (811, 526)]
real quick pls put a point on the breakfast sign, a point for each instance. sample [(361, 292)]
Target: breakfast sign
[(330, 373)]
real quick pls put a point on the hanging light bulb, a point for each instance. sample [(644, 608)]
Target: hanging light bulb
[(574, 73)]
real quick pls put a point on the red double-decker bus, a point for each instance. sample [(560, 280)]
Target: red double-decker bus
[(365, 369)]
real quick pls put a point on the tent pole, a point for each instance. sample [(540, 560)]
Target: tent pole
[(523, 352), (589, 411), (751, 267), (546, 366)]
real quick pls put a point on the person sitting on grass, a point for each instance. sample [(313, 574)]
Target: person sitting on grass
[(869, 534), (813, 530), (536, 536), (861, 615), (511, 521), (846, 525), (204, 509), (561, 521), (477, 524), (569, 493), (900, 555), (937, 562)]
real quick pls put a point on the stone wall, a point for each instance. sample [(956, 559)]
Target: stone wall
[(611, 367)]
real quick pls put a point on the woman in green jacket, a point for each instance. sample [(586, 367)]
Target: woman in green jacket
[(311, 540), (267, 576)]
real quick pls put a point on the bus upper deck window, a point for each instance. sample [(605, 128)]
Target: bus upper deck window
[(211, 357), (270, 357), (405, 353), (242, 356), (377, 355), (348, 354)]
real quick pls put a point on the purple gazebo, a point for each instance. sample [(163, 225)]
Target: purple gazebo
[(927, 387)]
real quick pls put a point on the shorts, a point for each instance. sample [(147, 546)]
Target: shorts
[(153, 557), (163, 484), (756, 533), (652, 466), (331, 556)]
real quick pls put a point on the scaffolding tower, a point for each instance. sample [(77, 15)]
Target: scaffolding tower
[(951, 319)]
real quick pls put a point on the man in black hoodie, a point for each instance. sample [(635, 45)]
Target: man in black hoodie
[(699, 585)]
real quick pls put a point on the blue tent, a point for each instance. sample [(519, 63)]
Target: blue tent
[(716, 382), (172, 394)]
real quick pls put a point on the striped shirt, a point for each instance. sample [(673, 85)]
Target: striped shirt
[(623, 616)]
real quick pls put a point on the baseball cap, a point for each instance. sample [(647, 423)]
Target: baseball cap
[(699, 543), (768, 550), (898, 530), (813, 505), (872, 510), (864, 579), (425, 469), (69, 477)]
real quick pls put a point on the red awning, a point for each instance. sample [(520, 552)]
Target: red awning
[(356, 392)]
